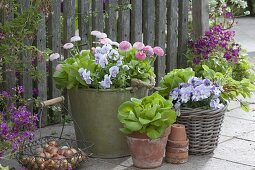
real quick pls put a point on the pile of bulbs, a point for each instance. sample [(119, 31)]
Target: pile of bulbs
[(54, 157)]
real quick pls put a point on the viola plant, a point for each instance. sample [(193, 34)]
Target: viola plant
[(17, 123), (108, 65), (197, 93)]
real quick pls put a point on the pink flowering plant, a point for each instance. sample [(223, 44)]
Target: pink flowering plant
[(108, 65), (17, 123)]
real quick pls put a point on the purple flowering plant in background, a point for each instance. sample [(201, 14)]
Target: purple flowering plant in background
[(108, 64), (197, 92), (17, 123)]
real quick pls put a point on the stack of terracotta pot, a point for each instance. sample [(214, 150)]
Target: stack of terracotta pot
[(177, 145)]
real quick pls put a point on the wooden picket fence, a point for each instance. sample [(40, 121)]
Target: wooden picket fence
[(161, 23)]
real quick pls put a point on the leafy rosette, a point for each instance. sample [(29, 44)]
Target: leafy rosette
[(150, 115)]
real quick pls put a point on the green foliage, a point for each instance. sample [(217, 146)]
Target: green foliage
[(231, 88), (150, 115), (173, 79), (68, 76), (17, 35)]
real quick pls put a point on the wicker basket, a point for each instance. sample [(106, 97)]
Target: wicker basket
[(203, 127)]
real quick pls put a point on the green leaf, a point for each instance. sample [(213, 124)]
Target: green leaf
[(144, 121), (125, 131), (245, 106), (132, 125), (153, 133)]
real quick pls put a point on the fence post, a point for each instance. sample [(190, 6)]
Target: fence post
[(183, 32), (41, 64), (83, 21), (98, 15), (149, 22), (200, 17), (26, 79), (124, 23), (111, 20), (54, 41), (136, 21), (9, 76), (172, 24), (160, 37)]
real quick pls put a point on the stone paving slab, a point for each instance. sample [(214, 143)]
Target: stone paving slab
[(234, 126), (223, 138), (239, 113), (237, 150), (250, 136), (202, 163)]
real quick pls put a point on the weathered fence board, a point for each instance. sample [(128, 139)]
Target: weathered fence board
[(200, 17), (41, 65), (83, 19), (26, 78), (136, 21), (183, 32), (54, 43), (111, 20), (69, 22), (97, 15), (9, 70), (172, 26), (124, 23), (160, 37), (149, 22)]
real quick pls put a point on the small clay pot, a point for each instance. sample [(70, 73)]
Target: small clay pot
[(147, 153), (177, 157), (178, 133), (177, 145)]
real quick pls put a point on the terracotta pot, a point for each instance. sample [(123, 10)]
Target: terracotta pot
[(147, 153), (177, 145), (177, 157), (178, 133)]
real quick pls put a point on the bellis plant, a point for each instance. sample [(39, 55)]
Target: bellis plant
[(17, 123), (108, 65)]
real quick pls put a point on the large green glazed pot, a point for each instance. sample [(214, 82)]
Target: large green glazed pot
[(94, 112)]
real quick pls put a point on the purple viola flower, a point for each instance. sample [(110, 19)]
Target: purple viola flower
[(106, 83), (113, 55), (207, 82), (175, 93), (85, 75), (114, 70), (103, 61), (119, 63), (196, 95), (215, 103)]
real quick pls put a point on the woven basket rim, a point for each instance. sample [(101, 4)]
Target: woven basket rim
[(187, 112)]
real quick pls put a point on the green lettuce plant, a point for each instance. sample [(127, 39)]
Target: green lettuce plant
[(150, 115), (173, 79)]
